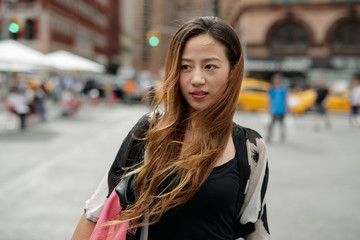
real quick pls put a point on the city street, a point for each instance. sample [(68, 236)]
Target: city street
[(49, 171)]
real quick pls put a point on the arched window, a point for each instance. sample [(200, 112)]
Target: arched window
[(289, 37), (347, 37)]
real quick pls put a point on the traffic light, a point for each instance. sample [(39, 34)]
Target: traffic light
[(154, 41), (14, 28), (153, 38)]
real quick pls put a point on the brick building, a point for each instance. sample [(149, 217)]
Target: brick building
[(304, 39), (89, 28)]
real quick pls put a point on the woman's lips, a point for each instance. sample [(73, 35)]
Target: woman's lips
[(198, 94)]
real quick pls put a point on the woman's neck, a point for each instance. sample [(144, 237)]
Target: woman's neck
[(227, 154)]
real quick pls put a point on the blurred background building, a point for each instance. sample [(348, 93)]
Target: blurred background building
[(303, 39), (86, 28), (147, 26)]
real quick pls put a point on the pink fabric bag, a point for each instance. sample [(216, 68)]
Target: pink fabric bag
[(110, 212)]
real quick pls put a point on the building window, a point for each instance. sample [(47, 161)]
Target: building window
[(62, 26), (104, 3), (289, 37), (66, 3), (289, 1), (85, 10), (29, 29), (347, 36)]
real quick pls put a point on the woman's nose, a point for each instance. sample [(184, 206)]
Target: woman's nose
[(198, 77)]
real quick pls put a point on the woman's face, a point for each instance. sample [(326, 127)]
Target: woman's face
[(204, 70)]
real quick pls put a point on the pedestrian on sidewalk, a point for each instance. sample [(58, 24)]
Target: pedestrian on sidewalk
[(278, 95), (355, 102), (16, 102), (195, 179), (322, 94)]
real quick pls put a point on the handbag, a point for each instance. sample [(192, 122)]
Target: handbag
[(122, 194), (110, 212)]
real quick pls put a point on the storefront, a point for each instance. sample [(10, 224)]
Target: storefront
[(303, 72)]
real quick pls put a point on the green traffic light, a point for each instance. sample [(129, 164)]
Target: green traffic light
[(154, 41), (14, 27)]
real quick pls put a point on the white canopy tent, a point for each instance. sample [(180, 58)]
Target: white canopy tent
[(66, 61), (15, 56)]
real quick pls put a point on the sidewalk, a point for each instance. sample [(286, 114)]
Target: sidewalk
[(10, 122), (313, 184)]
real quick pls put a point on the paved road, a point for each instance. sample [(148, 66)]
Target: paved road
[(47, 172)]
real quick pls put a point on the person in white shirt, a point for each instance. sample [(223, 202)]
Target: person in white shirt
[(16, 102)]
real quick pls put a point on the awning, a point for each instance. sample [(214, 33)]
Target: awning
[(15, 56), (66, 61)]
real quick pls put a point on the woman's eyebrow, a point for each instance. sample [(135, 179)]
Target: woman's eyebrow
[(211, 59), (186, 60), (203, 60)]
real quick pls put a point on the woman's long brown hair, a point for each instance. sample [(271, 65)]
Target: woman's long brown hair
[(170, 177)]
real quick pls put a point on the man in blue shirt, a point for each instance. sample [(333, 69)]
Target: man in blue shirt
[(278, 107)]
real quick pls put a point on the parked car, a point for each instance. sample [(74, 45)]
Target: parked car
[(254, 97), (302, 101), (99, 83), (338, 101)]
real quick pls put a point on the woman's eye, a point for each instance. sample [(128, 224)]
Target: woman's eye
[(210, 67), (185, 67)]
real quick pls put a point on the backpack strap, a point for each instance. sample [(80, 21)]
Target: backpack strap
[(130, 152), (240, 138)]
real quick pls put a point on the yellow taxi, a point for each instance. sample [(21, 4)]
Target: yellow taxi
[(338, 101), (300, 102), (254, 97)]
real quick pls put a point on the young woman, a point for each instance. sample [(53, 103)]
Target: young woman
[(202, 176)]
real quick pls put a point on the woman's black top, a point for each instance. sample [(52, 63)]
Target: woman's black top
[(210, 214)]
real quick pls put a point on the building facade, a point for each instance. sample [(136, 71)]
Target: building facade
[(304, 39), (143, 19), (89, 28)]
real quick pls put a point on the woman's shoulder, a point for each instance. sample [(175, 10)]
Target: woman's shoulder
[(145, 123), (144, 119), (249, 133), (255, 146)]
